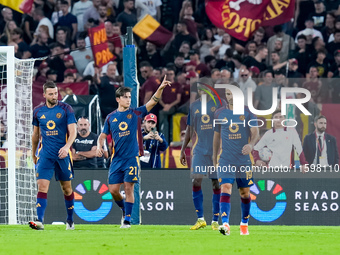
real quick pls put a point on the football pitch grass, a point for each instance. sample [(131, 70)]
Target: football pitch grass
[(161, 239)]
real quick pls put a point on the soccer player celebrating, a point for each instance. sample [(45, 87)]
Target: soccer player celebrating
[(124, 126), (55, 122), (200, 128), (238, 140)]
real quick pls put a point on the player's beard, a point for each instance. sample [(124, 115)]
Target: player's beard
[(52, 102)]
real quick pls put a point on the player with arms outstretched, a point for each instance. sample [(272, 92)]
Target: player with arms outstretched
[(124, 126), (238, 140), (200, 129), (55, 123)]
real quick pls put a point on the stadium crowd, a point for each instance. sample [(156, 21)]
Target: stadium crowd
[(304, 51)]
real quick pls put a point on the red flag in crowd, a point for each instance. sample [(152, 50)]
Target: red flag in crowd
[(150, 30), (241, 18), (100, 49), (23, 6)]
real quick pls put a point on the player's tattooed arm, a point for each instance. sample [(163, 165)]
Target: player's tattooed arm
[(72, 130)]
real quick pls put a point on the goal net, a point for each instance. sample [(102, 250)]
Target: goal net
[(17, 174)]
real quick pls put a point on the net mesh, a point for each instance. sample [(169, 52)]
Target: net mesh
[(25, 173)]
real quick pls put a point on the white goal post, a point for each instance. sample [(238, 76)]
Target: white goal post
[(17, 179)]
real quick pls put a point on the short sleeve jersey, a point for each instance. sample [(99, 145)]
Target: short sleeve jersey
[(124, 128), (53, 124), (202, 126), (234, 136)]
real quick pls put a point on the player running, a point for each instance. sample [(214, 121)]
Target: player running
[(124, 126), (200, 129), (234, 162), (55, 122)]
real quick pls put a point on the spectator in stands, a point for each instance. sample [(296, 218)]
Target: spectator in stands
[(29, 26), (259, 36), (334, 45), (17, 37), (237, 61), (61, 37), (302, 54), (263, 96), (40, 49), (207, 40), (329, 27), (82, 56), (157, 72), (287, 43), (78, 10), (153, 143), (226, 60), (245, 82), (152, 8), (320, 62), (91, 13), (261, 55), (319, 15), (42, 72), (7, 16), (85, 145), (220, 49), (186, 15), (319, 91), (150, 85), (170, 101), (56, 61), (69, 78), (181, 36), (68, 20), (113, 35), (199, 67), (250, 49), (275, 60), (309, 23), (185, 49), (39, 16), (334, 67), (127, 18), (107, 86), (51, 75), (179, 62), (152, 55)]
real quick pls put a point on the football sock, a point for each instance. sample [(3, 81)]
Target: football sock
[(245, 208), (41, 205), (69, 203), (197, 196), (216, 203), (128, 211), (225, 207), (120, 203)]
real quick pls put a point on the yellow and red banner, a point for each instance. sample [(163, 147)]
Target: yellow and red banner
[(241, 18), (100, 49), (23, 6), (150, 30)]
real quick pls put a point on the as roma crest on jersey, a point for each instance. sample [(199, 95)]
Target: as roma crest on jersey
[(242, 117), (58, 115), (213, 109), (129, 116)]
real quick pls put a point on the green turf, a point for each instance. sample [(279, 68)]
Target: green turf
[(110, 239)]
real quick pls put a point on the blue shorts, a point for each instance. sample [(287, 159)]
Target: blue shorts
[(124, 170), (201, 164), (62, 169), (228, 173)]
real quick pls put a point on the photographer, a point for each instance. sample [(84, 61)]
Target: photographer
[(153, 143)]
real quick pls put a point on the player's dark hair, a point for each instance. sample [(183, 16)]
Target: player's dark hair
[(49, 85), (319, 117), (121, 91), (145, 64)]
